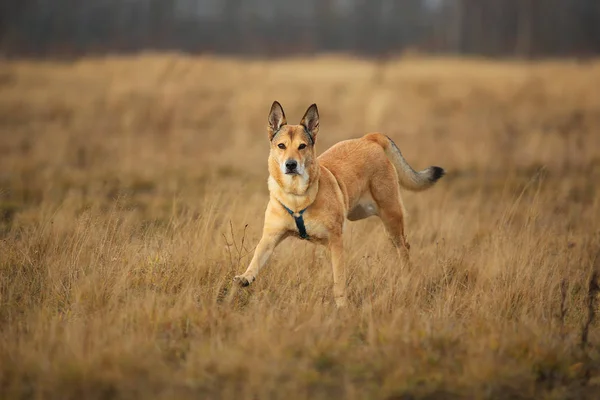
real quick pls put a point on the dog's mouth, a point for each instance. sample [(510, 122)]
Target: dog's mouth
[(291, 173)]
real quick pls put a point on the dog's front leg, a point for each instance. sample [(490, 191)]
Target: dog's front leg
[(270, 239), (336, 248)]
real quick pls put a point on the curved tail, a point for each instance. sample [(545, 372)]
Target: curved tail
[(408, 178)]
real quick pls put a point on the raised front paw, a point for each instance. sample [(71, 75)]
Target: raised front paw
[(241, 280)]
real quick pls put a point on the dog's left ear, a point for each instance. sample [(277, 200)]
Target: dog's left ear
[(310, 121)]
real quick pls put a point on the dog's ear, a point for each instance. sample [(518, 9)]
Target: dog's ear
[(276, 119), (310, 121)]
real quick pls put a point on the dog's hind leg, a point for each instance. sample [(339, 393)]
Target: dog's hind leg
[(393, 220), (386, 193)]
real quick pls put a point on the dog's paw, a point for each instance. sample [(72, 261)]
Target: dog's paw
[(241, 280)]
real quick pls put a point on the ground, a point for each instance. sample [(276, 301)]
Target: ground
[(133, 189)]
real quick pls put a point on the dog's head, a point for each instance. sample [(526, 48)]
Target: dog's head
[(293, 153)]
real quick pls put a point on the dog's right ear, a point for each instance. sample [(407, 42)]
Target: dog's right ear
[(276, 119)]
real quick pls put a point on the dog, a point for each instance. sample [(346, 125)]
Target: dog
[(312, 197)]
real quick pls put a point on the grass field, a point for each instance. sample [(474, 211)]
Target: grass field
[(133, 189)]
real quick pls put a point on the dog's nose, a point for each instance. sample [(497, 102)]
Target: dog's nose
[(291, 165)]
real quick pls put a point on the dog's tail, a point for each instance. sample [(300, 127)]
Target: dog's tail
[(410, 179)]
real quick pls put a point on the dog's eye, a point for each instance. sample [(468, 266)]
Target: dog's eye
[(302, 146), (281, 146)]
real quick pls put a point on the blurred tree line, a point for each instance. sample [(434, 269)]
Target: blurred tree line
[(524, 28)]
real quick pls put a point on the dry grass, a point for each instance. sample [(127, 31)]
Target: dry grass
[(133, 189)]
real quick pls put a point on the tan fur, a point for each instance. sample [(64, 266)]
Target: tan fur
[(352, 180)]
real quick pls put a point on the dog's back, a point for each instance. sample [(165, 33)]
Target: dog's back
[(355, 162)]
